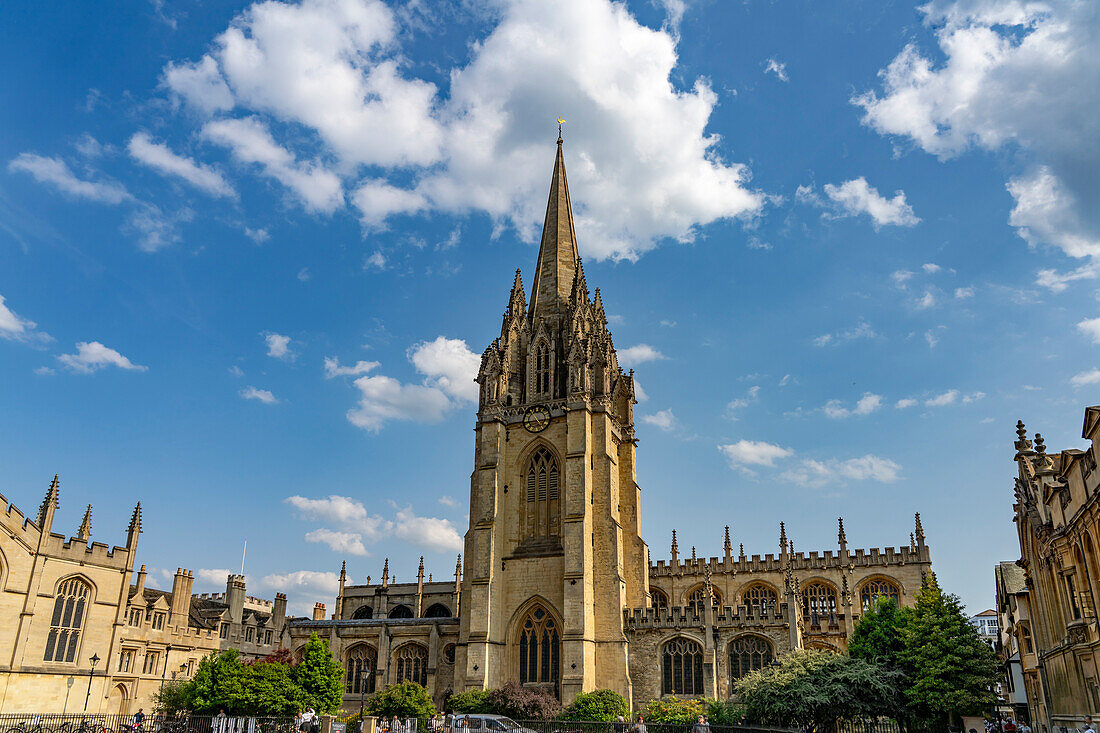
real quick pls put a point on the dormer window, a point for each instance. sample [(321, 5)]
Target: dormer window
[(158, 621), (224, 631), (135, 617)]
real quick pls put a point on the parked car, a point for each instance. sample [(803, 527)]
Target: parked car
[(482, 723)]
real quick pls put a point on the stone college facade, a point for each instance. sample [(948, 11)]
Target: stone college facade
[(556, 588)]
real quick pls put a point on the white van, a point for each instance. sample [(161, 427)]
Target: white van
[(485, 723)]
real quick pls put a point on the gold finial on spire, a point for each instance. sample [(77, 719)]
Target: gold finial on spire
[(561, 121)]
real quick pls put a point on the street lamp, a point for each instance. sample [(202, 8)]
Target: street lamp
[(94, 660)]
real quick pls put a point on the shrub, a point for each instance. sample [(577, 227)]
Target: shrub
[(724, 712), (523, 703), (673, 710), (404, 699), (604, 705), (471, 701)]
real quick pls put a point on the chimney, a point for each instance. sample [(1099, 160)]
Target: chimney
[(181, 596), (319, 612), (234, 597), (278, 613), (140, 584)]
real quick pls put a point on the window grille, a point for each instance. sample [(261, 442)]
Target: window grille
[(362, 661), (759, 598), (67, 622), (819, 603), (539, 649), (879, 588), (412, 664), (682, 668), (749, 653)]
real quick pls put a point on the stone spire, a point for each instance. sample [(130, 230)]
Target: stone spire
[(49, 506), (675, 550), (919, 531), (134, 529), (727, 546), (782, 539), (85, 532), (386, 574), (558, 256), (841, 537), (693, 554)]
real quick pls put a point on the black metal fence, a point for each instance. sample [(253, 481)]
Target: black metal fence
[(88, 723), (477, 724)]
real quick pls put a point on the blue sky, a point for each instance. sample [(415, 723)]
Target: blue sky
[(249, 255)]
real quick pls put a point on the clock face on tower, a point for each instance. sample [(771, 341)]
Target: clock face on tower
[(536, 419)]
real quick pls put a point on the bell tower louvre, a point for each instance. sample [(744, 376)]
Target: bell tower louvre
[(553, 552)]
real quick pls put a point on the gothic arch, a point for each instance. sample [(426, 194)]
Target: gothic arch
[(820, 599), (116, 703), (748, 653), (363, 612), (539, 666), (92, 587), (360, 663), (878, 585), (682, 666), (437, 610), (658, 598), (693, 597), (3, 571), (400, 611), (73, 598), (541, 478), (759, 594), (410, 663)]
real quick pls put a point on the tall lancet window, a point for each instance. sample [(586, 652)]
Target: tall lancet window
[(543, 505), (542, 370), (539, 650), (67, 622)]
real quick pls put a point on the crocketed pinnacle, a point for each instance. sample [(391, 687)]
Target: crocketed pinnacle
[(49, 504), (557, 263), (85, 531)]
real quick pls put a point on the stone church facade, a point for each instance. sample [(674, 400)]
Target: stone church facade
[(556, 588)]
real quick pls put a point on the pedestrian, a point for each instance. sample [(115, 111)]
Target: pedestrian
[(1010, 726), (1024, 727), (1088, 725), (305, 722), (639, 726), (137, 720), (700, 725)]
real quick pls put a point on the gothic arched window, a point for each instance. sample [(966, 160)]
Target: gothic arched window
[(539, 649), (818, 602), (749, 653), (658, 598), (361, 663), (67, 622), (412, 664), (543, 505), (759, 598), (879, 588), (682, 668), (437, 610), (401, 611), (363, 612), (697, 599), (542, 370)]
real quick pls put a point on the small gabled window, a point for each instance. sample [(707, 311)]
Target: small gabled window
[(224, 631)]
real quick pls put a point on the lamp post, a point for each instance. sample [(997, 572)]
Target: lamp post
[(94, 660)]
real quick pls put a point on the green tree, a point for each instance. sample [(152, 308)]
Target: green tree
[(174, 696), (673, 710), (319, 676), (403, 699), (815, 690), (880, 633), (470, 701), (270, 689), (951, 670), (219, 684), (603, 705)]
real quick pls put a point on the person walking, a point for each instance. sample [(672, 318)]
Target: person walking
[(639, 726), (700, 725), (1088, 725), (137, 720)]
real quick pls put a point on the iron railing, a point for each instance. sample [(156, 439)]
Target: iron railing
[(88, 723), (439, 725)]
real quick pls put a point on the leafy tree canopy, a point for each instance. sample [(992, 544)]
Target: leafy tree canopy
[(815, 689), (951, 670), (880, 633), (406, 699), (604, 705)]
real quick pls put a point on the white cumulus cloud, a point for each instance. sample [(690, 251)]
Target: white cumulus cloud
[(342, 542), (662, 419), (333, 368), (745, 453), (56, 172), (815, 474), (253, 393), (449, 365), (92, 356), (14, 327), (1091, 328), (638, 354), (1083, 378), (867, 404), (161, 158), (856, 197), (1017, 76), (278, 346)]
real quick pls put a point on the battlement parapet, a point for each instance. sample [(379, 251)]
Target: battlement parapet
[(665, 617), (815, 560)]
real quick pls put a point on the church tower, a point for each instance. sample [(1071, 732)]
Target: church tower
[(553, 553)]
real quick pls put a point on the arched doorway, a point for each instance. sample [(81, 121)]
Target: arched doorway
[(117, 703)]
